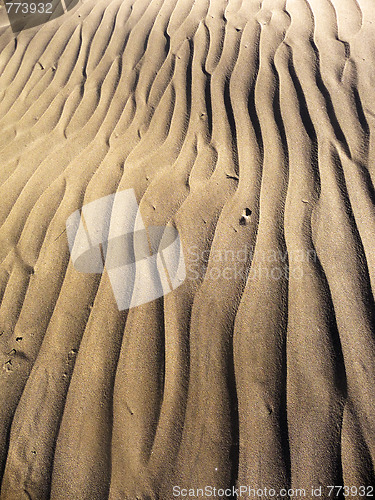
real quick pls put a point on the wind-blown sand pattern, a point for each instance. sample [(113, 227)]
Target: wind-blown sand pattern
[(248, 126)]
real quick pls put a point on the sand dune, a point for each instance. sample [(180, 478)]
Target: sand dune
[(249, 127)]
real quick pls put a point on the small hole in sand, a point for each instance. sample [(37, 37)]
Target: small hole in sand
[(72, 354), (8, 366), (245, 218)]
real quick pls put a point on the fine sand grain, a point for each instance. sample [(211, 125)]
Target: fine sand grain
[(249, 127)]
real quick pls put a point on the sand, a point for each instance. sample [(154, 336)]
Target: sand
[(249, 127)]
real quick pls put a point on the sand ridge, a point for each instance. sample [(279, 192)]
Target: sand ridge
[(248, 126)]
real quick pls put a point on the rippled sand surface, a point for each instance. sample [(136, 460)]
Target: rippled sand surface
[(249, 127)]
